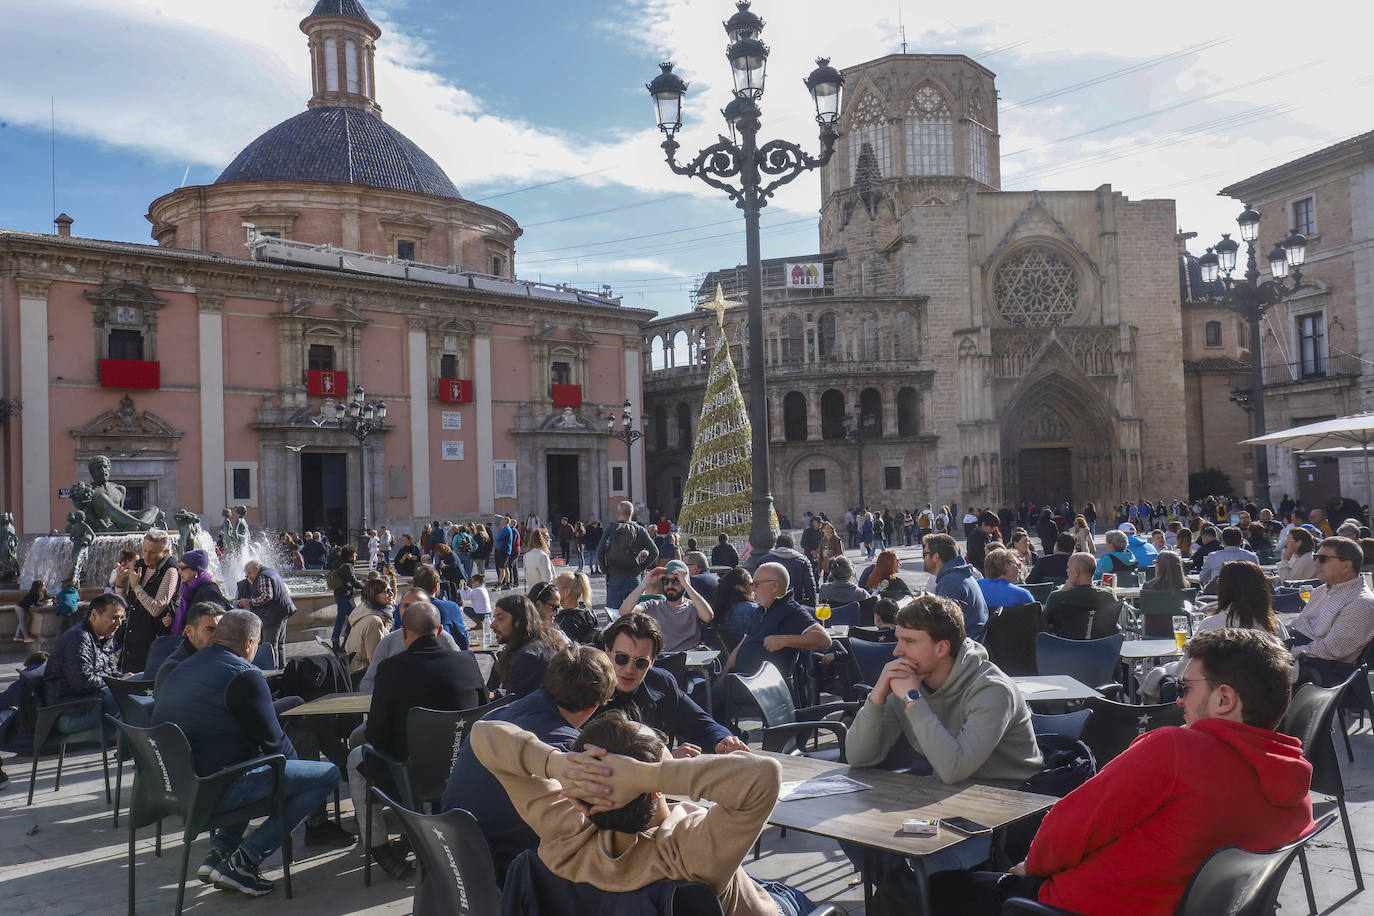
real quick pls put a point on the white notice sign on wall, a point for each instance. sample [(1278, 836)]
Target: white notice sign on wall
[(451, 419), (503, 479), (453, 451)]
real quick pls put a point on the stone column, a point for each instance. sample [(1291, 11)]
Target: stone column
[(417, 386), (213, 494), (36, 505), (813, 412), (484, 434), (634, 391)]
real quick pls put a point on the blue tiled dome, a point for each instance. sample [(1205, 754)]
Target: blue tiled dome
[(350, 8), (346, 145)]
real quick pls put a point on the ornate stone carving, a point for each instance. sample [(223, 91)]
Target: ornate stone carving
[(1036, 288), (1046, 425)]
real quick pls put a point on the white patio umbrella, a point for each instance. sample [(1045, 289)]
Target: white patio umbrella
[(1352, 435)]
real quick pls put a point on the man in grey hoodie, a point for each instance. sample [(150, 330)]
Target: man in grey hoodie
[(941, 700), (956, 579)]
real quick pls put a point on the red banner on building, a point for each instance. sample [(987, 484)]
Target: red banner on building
[(567, 395), (455, 390), (130, 373), (327, 383)]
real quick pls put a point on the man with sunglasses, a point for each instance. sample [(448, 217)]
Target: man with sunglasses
[(679, 613), (1138, 830), (651, 695), (1338, 621)]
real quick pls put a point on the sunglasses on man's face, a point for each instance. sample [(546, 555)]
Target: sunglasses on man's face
[(672, 580), (622, 659), (1323, 557)]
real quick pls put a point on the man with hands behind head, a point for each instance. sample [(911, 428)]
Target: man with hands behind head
[(601, 817), (679, 613)]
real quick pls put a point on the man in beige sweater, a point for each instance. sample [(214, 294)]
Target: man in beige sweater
[(618, 833)]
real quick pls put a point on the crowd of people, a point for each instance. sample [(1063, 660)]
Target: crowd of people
[(598, 731)]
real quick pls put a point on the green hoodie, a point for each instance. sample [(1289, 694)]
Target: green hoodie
[(976, 726)]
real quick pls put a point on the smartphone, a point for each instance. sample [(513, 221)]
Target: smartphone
[(964, 825)]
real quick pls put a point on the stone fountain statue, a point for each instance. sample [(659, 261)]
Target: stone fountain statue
[(188, 524), (82, 537), (103, 502), (9, 549)]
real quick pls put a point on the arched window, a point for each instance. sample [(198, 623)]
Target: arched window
[(908, 412), (871, 411), (832, 415), (684, 425), (904, 343), (791, 336), (657, 360), (869, 125), (660, 428), (825, 332), (868, 337), (794, 416), (682, 350), (929, 134), (978, 133)]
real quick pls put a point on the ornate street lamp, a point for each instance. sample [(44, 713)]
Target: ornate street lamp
[(629, 435), (860, 432), (360, 418), (760, 171), (1253, 299)]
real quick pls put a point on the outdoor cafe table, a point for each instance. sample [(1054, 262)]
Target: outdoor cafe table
[(873, 817), (1047, 687), (334, 704), (1137, 650)]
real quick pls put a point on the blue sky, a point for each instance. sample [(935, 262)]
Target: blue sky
[(538, 108)]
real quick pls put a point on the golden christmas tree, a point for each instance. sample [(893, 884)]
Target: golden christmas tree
[(719, 487)]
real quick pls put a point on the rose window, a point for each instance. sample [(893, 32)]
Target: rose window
[(1035, 288)]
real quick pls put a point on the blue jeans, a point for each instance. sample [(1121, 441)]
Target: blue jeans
[(790, 901), (342, 608), (592, 559), (73, 723), (618, 588), (308, 784)]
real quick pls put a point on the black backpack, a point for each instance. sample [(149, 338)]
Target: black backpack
[(620, 549)]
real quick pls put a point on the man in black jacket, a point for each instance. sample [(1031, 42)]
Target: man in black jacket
[(199, 633), (270, 599), (83, 656), (976, 548), (651, 695), (1046, 529), (1054, 565), (425, 674)]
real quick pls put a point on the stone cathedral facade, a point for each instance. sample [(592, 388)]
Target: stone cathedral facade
[(992, 346)]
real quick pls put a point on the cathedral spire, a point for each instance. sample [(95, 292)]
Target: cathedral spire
[(342, 40)]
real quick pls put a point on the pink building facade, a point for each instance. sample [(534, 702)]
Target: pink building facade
[(190, 363)]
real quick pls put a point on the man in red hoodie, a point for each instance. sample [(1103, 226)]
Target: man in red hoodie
[(1129, 839)]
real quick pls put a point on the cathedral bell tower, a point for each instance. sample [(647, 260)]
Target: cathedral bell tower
[(341, 50)]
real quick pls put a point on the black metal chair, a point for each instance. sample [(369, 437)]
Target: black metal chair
[(1309, 718), (132, 696), (1157, 610), (433, 739), (1231, 880), (456, 871), (866, 663), (1040, 590), (165, 783), (846, 615), (570, 898), (1357, 699), (1089, 661), (1069, 724), (43, 719), (1113, 726), (1010, 637), (784, 725), (873, 634)]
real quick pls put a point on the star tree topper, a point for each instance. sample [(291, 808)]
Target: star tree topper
[(719, 306)]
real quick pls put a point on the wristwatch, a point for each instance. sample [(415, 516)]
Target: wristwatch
[(913, 695)]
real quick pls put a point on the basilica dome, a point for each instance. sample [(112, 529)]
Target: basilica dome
[(340, 144)]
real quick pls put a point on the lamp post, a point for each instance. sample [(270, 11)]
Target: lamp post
[(760, 170), (1253, 299), (359, 417), (860, 432), (629, 435)]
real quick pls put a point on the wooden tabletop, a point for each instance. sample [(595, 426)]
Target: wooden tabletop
[(334, 704), (1053, 687), (873, 817), (1150, 648)]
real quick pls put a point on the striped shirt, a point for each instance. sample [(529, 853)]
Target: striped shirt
[(1339, 619)]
